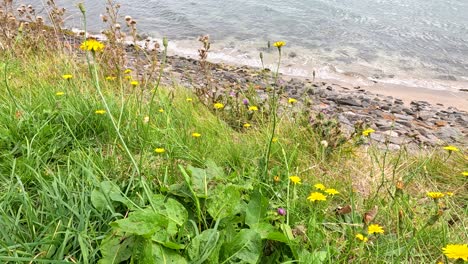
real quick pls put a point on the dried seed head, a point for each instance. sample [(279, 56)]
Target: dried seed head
[(104, 18), (128, 18), (133, 22), (117, 26)]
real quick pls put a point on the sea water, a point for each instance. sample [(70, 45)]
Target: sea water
[(421, 43)]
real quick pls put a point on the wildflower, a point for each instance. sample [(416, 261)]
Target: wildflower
[(292, 101), (92, 45), (361, 237), (465, 173), (454, 251), (451, 148), (189, 99), (253, 108), (146, 119), (279, 44), (324, 143), (375, 229), (196, 135), (245, 101), (274, 139), (281, 211), (218, 106), (67, 76), (332, 191), (111, 78), (100, 112), (316, 196), (134, 83), (435, 195), (159, 150), (319, 186), (128, 77), (247, 125), (161, 110), (276, 178), (59, 93), (128, 71), (367, 132), (449, 193), (295, 179)]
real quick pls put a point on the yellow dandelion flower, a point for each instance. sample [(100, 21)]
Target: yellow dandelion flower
[(316, 196), (361, 237), (67, 76), (451, 148), (375, 229), (134, 83), (218, 106), (367, 132), (454, 251), (128, 77), (279, 44), (253, 108), (274, 139), (247, 125), (92, 45), (331, 191), (128, 71), (435, 195), (319, 186), (100, 112), (111, 78), (465, 173), (196, 135), (276, 179), (295, 179), (189, 99), (292, 101), (161, 110), (59, 93), (449, 193), (159, 150)]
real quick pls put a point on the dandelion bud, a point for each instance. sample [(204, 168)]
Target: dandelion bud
[(104, 18), (165, 42), (82, 8), (128, 18), (261, 55)]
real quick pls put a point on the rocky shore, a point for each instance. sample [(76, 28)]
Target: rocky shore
[(396, 123)]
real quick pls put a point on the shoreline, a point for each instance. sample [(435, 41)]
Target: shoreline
[(398, 114)]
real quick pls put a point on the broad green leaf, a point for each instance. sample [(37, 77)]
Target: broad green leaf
[(269, 232), (144, 222), (246, 247), (116, 249), (142, 251), (256, 209), (200, 178), (224, 202), (98, 200), (204, 246), (163, 255), (174, 211), (317, 257)]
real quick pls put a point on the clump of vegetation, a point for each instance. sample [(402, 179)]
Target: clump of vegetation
[(97, 167)]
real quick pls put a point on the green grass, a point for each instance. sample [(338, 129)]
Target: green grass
[(69, 191)]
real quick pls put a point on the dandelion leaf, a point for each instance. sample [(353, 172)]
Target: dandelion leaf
[(246, 247)]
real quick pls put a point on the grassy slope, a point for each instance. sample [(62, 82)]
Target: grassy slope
[(54, 151)]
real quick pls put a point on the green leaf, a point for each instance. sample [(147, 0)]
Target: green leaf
[(98, 200), (256, 209), (200, 178), (269, 232), (116, 249), (246, 247), (163, 255), (317, 257), (204, 246), (106, 193), (224, 202), (144, 222), (142, 251)]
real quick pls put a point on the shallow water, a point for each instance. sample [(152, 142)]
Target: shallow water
[(412, 42)]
